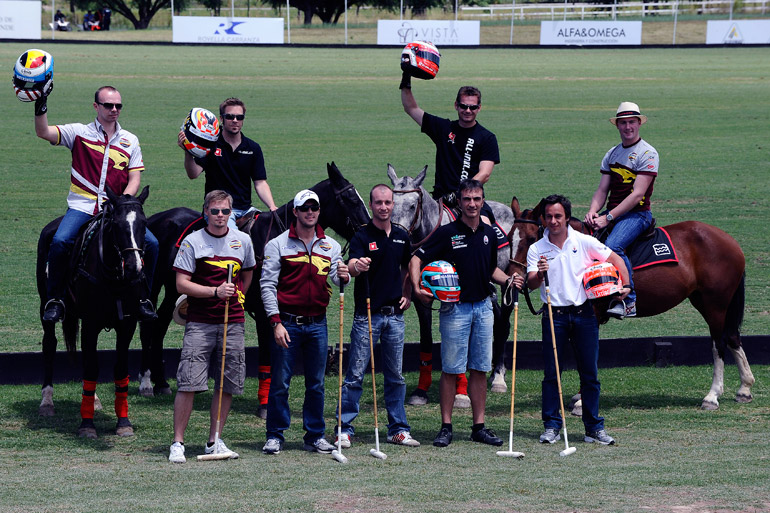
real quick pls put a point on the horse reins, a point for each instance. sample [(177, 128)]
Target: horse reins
[(418, 214)]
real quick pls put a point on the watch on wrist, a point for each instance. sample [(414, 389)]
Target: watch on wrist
[(274, 324), (609, 217)]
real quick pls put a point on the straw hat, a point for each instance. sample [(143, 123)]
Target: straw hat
[(180, 310), (628, 110)]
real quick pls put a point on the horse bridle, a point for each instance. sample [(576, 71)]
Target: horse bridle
[(523, 265), (108, 209), (418, 213)]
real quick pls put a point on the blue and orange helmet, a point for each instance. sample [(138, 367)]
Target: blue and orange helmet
[(440, 279)]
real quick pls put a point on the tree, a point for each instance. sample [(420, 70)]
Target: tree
[(146, 9), (328, 11)]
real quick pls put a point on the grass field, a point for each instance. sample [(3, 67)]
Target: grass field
[(670, 457)]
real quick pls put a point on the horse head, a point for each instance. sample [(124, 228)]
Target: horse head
[(342, 208), (527, 229), (124, 227), (413, 208)]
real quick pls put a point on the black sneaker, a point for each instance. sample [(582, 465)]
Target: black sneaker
[(443, 438), (486, 436), (147, 311), (54, 311)]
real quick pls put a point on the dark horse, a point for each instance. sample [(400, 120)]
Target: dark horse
[(106, 264), (710, 273), (342, 209)]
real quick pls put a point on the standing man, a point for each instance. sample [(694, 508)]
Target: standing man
[(235, 162), (379, 257), (565, 254), (103, 155), (466, 327), (628, 174), (201, 273), (295, 292)]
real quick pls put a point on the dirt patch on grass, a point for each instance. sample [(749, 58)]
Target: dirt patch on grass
[(346, 503)]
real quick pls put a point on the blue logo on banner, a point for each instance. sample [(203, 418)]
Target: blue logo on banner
[(231, 28)]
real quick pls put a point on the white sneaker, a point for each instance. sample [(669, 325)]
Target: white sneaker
[(344, 440), (320, 445), (176, 455), (403, 438), (219, 447)]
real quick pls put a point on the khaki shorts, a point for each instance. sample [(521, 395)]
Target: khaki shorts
[(202, 356)]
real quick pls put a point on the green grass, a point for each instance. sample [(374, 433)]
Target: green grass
[(670, 455), (708, 110)]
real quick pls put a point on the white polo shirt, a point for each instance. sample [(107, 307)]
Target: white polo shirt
[(567, 265)]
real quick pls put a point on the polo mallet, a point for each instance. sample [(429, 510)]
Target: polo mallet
[(221, 455), (376, 451), (567, 449), (510, 452), (337, 453)]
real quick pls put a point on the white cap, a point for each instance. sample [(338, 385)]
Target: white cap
[(305, 195), (628, 110)]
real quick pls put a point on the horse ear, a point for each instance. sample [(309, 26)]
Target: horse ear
[(143, 195), (392, 174), (537, 212), (110, 195), (420, 177), (334, 173), (515, 207)]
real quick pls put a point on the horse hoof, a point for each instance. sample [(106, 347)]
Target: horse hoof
[(462, 401), (145, 385), (709, 405), (572, 402), (97, 403), (46, 410), (743, 398), (124, 427), (418, 398), (498, 384), (46, 404), (87, 432), (262, 412)]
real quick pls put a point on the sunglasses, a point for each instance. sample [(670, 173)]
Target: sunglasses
[(305, 208), (239, 117), (216, 211), (110, 106), (465, 106)]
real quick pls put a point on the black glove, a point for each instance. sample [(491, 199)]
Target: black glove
[(450, 199), (41, 106), (406, 81)]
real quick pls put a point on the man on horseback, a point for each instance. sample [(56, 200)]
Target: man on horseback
[(628, 173), (103, 154), (233, 164)]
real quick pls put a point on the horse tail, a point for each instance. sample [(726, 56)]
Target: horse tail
[(734, 317)]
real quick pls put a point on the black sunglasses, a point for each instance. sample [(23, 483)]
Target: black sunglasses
[(239, 117), (464, 106), (305, 208), (216, 211), (110, 106)]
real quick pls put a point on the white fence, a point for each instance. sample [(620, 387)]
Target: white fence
[(584, 11)]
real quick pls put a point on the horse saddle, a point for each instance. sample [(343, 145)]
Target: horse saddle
[(652, 249)]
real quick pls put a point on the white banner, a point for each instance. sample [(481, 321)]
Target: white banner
[(738, 32), (207, 29), (584, 33), (439, 32), (20, 20)]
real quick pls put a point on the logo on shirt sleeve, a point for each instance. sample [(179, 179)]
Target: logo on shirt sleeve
[(372, 246)]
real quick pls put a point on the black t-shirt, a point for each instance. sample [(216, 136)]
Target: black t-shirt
[(458, 151), (234, 171), (389, 254), (473, 255)]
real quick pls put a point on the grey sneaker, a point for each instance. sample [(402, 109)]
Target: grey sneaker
[(320, 445), (219, 447), (272, 446), (599, 436), (618, 310), (176, 455), (403, 438), (550, 436)]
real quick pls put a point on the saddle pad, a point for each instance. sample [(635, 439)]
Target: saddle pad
[(195, 225), (657, 249)]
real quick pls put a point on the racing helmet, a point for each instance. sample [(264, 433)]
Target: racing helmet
[(602, 280), (420, 59), (440, 279), (33, 69), (201, 131)]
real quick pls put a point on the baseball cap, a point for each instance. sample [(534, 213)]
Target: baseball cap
[(304, 196)]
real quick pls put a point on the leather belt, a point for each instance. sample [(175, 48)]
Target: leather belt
[(301, 320), (388, 310), (570, 309)]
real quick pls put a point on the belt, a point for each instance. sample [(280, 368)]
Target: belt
[(300, 320), (570, 309), (388, 310)]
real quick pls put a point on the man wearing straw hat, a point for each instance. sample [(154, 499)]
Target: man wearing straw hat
[(628, 174)]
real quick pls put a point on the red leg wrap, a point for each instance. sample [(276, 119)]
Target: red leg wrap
[(87, 403), (121, 397), (426, 368), (264, 384), (462, 384)]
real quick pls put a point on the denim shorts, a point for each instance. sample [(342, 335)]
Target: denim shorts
[(202, 356), (466, 336)]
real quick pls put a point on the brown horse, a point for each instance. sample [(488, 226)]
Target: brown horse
[(710, 273)]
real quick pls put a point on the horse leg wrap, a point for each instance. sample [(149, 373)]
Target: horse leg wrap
[(426, 369), (462, 384), (87, 403), (264, 384), (121, 397)]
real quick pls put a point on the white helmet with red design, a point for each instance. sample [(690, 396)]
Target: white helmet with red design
[(201, 131), (602, 280), (420, 59)]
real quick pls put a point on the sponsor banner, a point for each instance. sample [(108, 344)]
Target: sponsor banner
[(222, 30), (584, 33), (20, 20), (738, 32), (439, 32)]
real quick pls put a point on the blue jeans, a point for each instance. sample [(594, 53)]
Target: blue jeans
[(389, 329), (580, 328), (466, 336), (61, 247), (309, 342), (627, 228)]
